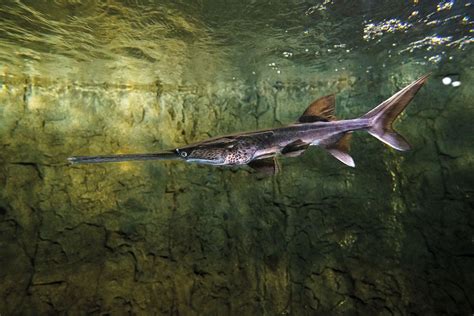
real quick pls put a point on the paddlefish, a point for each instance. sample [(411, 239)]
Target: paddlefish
[(317, 126)]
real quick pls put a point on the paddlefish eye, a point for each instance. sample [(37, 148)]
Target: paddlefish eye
[(182, 153)]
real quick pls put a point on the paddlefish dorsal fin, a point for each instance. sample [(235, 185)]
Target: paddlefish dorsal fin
[(340, 150), (320, 110)]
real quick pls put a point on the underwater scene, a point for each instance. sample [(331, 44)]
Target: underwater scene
[(322, 229)]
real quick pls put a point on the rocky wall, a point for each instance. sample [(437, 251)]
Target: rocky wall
[(392, 236)]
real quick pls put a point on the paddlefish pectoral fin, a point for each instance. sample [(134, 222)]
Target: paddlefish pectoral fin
[(294, 149), (382, 117), (267, 166), (168, 155)]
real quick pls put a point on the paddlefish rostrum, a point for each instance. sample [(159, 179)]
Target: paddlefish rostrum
[(317, 126)]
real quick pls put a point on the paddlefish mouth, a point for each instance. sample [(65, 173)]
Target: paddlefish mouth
[(166, 155), (204, 161)]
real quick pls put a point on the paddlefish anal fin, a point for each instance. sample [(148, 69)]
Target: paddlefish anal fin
[(267, 166), (321, 110), (340, 150)]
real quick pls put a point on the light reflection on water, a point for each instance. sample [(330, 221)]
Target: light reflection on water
[(174, 42)]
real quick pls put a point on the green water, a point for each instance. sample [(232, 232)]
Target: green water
[(395, 235)]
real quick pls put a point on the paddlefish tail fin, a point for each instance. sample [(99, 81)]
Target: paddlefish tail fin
[(382, 117), (171, 155)]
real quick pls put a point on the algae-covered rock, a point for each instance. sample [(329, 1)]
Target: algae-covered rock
[(174, 238)]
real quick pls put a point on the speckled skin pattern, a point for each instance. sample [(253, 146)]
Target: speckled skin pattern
[(242, 149), (242, 152), (227, 151)]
